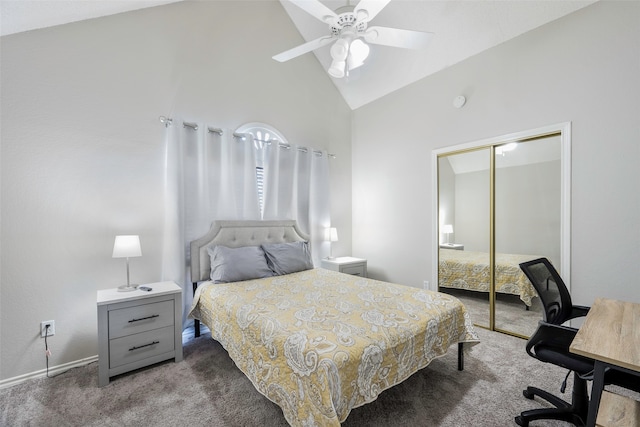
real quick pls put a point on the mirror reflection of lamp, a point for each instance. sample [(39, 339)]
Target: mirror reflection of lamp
[(447, 229), (504, 148)]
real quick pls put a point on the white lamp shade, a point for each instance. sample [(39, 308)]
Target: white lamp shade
[(127, 247), (340, 50), (331, 234), (358, 52), (337, 69), (447, 228)]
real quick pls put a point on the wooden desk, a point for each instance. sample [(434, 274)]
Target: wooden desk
[(618, 411), (611, 336)]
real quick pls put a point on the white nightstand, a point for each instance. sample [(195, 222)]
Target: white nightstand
[(455, 246), (138, 328), (346, 264)]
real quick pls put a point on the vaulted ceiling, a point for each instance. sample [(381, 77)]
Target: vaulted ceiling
[(461, 29)]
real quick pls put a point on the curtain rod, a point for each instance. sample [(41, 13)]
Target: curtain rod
[(280, 144), (193, 126), (168, 122)]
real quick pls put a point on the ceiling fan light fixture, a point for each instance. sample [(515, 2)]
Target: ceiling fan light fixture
[(337, 69), (350, 34), (339, 53), (340, 50), (358, 52), (371, 35)]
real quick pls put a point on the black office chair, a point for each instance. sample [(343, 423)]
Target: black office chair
[(550, 343)]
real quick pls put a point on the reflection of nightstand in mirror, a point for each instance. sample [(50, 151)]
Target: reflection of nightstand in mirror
[(454, 246)]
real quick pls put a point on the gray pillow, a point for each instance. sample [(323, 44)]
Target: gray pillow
[(237, 264), (285, 258)]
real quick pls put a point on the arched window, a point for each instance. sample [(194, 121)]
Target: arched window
[(262, 134)]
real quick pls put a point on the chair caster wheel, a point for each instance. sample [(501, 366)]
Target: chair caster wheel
[(522, 422), (528, 394)]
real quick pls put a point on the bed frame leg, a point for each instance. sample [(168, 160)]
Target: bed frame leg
[(460, 357), (196, 322)]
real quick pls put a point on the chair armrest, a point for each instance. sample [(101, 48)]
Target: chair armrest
[(557, 336), (578, 311)]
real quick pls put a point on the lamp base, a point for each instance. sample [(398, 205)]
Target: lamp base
[(127, 288)]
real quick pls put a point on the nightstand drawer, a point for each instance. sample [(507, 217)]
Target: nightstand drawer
[(145, 317), (140, 346), (356, 270)]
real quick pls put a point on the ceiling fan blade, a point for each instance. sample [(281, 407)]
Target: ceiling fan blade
[(368, 9), (316, 9), (303, 48), (396, 37)]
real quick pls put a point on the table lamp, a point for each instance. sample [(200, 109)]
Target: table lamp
[(127, 247), (331, 235)]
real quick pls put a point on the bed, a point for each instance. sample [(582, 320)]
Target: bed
[(469, 270), (316, 342)]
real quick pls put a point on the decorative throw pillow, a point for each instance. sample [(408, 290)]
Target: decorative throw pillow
[(285, 258), (237, 264)]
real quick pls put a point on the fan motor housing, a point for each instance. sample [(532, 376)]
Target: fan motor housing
[(347, 20)]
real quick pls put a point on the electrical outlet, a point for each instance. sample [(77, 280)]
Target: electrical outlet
[(425, 284), (43, 328)]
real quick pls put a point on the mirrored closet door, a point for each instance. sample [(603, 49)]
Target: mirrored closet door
[(527, 226), (500, 203), (463, 219)]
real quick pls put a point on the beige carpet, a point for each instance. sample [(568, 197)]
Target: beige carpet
[(206, 389)]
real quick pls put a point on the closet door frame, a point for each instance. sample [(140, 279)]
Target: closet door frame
[(564, 130)]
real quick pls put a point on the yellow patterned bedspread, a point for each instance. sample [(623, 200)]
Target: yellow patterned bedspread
[(319, 343), (470, 270)]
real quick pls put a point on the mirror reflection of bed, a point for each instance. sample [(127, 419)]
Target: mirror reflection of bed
[(465, 275), (523, 182)]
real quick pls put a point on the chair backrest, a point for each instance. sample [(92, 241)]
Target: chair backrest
[(552, 291)]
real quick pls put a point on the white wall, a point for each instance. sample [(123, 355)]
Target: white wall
[(583, 68), (82, 148)]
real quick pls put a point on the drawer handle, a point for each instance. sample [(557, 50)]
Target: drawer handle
[(143, 346), (144, 318)]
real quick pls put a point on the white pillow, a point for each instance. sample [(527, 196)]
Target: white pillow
[(285, 258), (237, 264)]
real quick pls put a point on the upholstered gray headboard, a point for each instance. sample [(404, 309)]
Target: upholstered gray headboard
[(235, 234)]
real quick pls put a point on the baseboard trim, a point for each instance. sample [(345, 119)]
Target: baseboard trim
[(54, 370)]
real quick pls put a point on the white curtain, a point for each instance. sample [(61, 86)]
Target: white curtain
[(207, 177), (296, 186), (210, 177)]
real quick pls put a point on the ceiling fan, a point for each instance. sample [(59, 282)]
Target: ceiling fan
[(349, 27)]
